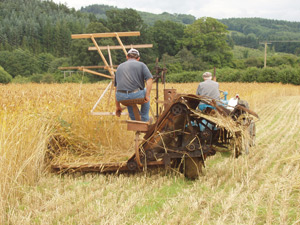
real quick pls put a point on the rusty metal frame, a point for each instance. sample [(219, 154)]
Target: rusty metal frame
[(153, 136)]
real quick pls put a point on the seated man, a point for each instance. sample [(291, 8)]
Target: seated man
[(130, 84), (208, 88)]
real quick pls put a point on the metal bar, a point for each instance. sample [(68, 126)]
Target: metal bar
[(99, 35), (155, 163)]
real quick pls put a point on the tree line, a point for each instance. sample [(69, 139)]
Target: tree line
[(149, 18), (35, 39)]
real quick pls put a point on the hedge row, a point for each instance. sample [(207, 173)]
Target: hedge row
[(55, 78), (284, 75)]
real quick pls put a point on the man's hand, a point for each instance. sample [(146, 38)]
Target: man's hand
[(118, 111), (147, 99)]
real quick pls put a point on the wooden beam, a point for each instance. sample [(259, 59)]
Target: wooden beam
[(106, 35), (113, 80), (120, 47), (120, 42), (103, 113), (109, 57), (103, 58), (265, 58), (96, 73), (83, 67)]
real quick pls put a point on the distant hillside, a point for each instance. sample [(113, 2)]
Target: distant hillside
[(39, 26), (249, 32), (148, 18)]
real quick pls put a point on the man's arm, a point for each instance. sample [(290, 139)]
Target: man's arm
[(148, 89), (118, 105), (198, 92)]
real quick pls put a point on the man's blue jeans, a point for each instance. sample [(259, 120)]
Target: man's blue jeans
[(144, 108)]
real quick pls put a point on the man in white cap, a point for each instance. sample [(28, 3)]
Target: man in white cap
[(208, 87), (130, 80)]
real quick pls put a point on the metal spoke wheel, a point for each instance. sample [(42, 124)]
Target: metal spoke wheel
[(132, 165), (177, 109)]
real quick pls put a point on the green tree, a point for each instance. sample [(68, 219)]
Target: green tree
[(44, 60), (81, 56), (206, 38), (254, 62), (250, 74), (48, 78), (128, 20), (5, 77), (166, 34), (22, 62), (286, 59), (96, 27), (62, 39), (93, 56), (268, 74), (124, 20), (5, 57), (53, 67)]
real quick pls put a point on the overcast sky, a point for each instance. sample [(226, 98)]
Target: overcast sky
[(270, 9)]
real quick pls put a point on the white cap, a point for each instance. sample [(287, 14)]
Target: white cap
[(207, 74), (133, 51)]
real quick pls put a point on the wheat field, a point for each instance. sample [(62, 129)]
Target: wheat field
[(260, 188)]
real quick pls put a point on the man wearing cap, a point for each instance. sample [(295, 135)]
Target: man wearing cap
[(130, 80), (208, 87)]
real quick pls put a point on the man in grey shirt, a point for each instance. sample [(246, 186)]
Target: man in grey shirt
[(208, 87), (130, 84)]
